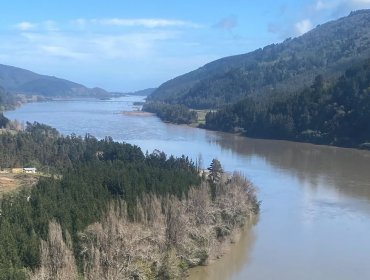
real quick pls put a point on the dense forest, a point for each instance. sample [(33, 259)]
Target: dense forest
[(105, 210), (334, 112), (178, 114), (289, 66)]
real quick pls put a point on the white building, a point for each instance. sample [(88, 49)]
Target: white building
[(29, 170)]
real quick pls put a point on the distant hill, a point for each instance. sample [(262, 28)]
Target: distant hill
[(143, 92), (7, 100), (21, 81), (290, 66)]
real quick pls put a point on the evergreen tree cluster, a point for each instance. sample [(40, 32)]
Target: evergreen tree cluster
[(82, 175), (178, 114), (329, 112), (3, 120)]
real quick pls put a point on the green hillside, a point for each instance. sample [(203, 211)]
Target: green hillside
[(329, 112), (287, 67)]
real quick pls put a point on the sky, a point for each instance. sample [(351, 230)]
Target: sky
[(125, 46)]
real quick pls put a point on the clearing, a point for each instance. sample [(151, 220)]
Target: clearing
[(10, 182)]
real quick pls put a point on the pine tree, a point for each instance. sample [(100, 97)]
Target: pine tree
[(215, 171)]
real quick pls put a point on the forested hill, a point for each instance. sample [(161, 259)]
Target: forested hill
[(286, 67), (18, 80), (104, 210), (329, 112)]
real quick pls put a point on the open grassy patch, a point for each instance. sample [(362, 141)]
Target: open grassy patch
[(10, 182)]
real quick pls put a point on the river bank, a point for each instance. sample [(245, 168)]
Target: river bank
[(169, 235), (137, 113), (200, 122), (233, 259)]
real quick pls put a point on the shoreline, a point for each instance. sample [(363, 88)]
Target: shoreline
[(137, 113), (196, 125), (226, 250), (201, 126)]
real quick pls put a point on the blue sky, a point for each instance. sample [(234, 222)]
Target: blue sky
[(129, 45)]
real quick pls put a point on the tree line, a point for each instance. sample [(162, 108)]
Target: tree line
[(178, 114), (334, 112)]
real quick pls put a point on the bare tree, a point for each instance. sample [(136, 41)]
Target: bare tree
[(165, 233), (119, 249), (57, 260)]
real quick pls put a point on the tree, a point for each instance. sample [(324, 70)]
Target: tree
[(3, 120), (57, 260), (215, 171), (214, 176)]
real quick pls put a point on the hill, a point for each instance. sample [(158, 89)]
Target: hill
[(290, 66), (329, 112), (20, 81), (7, 100), (143, 92)]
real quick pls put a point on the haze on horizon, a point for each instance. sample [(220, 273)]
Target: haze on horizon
[(121, 46)]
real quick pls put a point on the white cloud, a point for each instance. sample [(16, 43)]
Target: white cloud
[(25, 25), (325, 5), (60, 51), (48, 25), (341, 5), (142, 49), (96, 46), (303, 26), (361, 1), (129, 46), (146, 22), (101, 42), (52, 44)]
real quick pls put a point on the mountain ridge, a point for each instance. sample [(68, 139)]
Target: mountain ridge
[(289, 66), (22, 81)]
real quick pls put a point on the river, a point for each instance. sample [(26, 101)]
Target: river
[(315, 213)]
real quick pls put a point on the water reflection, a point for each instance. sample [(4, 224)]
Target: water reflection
[(345, 170), (231, 263)]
